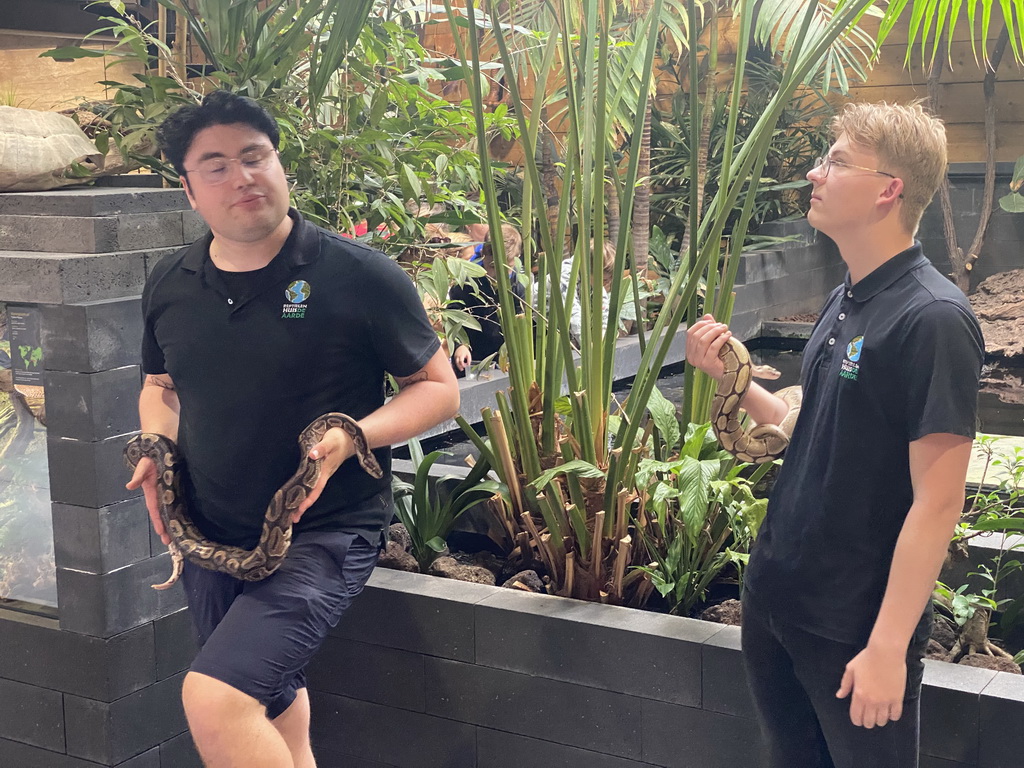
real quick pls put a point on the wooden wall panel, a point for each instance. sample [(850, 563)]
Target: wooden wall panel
[(42, 83)]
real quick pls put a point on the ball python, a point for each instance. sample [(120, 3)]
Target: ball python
[(266, 557), (765, 442)]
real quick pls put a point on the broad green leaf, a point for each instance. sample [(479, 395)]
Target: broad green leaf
[(1012, 203), (73, 52), (577, 467), (665, 419)]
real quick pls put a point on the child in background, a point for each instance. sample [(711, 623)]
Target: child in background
[(481, 301)]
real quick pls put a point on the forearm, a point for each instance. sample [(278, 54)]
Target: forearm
[(158, 410), (424, 399), (764, 407), (917, 560)]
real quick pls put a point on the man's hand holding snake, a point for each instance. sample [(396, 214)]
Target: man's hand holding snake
[(704, 342), (144, 477), (334, 450)]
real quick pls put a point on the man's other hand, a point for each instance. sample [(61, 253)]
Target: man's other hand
[(334, 450), (144, 477)]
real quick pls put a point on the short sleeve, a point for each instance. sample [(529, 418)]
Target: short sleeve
[(399, 328), (940, 363), (152, 356)]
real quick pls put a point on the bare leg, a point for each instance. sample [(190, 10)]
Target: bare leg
[(293, 725), (230, 728)]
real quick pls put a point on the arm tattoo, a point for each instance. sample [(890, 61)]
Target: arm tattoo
[(156, 381), (415, 378)]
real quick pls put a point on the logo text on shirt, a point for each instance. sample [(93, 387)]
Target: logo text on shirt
[(850, 366), (297, 293)]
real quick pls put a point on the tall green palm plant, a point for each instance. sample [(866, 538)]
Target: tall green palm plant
[(570, 463)]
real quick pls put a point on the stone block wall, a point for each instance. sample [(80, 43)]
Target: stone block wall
[(99, 684), (1001, 250), (428, 673)]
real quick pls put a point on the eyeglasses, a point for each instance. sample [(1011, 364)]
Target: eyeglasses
[(217, 170), (825, 163)]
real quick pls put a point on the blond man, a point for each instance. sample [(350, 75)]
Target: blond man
[(836, 600)]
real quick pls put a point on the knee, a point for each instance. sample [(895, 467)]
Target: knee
[(209, 703)]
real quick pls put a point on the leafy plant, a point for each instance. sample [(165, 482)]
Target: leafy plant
[(433, 281), (697, 516), (430, 514), (1014, 202), (570, 463)]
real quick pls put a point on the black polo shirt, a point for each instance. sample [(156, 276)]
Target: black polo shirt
[(256, 356), (892, 359)]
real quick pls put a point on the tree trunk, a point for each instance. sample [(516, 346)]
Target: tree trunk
[(549, 179), (989, 194), (641, 225), (953, 250)]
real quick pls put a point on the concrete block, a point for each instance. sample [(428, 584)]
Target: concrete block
[(149, 230), (92, 406), (374, 735), (92, 336), (950, 710), (723, 677), (600, 646), (92, 201), (101, 540), (927, 761), (175, 640), (110, 733), (179, 752), (105, 605), (36, 652), (88, 474), (1002, 712), (62, 278), (14, 754), (550, 710), (58, 234), (31, 715), (417, 613), (496, 749), (683, 737), (193, 226), (370, 673)]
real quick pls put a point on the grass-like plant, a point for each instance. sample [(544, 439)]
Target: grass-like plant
[(570, 462)]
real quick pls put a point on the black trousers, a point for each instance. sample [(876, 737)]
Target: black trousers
[(793, 677)]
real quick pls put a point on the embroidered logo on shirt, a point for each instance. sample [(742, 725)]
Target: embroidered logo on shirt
[(851, 366), (297, 293)]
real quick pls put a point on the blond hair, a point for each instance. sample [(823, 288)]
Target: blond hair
[(910, 144)]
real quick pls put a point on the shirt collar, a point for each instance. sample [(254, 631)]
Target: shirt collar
[(887, 273), (301, 247)]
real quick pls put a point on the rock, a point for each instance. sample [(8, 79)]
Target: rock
[(935, 651), (398, 534), (943, 634), (997, 663), (527, 581), (998, 302), (397, 559), (727, 612), (487, 560), (450, 568)]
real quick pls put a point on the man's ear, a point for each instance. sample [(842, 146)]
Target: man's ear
[(892, 192), (188, 191)]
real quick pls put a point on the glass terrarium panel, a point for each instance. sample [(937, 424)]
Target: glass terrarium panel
[(27, 573)]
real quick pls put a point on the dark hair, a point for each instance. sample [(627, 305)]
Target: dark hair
[(178, 131)]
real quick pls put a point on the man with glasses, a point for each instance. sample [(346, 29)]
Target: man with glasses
[(251, 333), (836, 603)]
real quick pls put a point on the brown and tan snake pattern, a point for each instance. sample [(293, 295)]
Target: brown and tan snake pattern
[(765, 442), (266, 557)]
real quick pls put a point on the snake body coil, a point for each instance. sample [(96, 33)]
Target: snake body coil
[(266, 557), (765, 442)]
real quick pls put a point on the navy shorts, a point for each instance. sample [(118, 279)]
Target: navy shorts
[(258, 636)]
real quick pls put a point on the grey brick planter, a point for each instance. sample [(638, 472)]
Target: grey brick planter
[(430, 673), (98, 684)]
